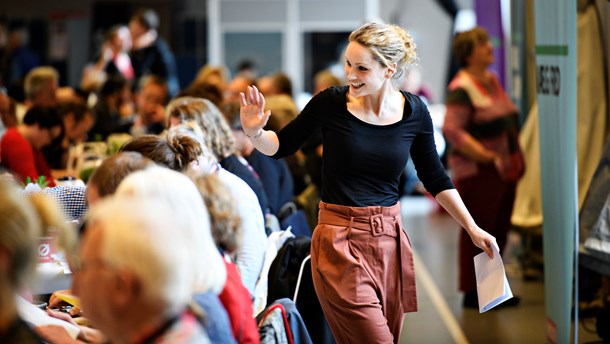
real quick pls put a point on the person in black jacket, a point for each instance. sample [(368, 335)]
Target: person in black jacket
[(150, 53)]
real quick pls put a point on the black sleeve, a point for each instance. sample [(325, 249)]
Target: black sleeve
[(425, 157), (297, 132)]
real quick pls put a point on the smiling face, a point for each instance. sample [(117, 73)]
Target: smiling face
[(365, 75)]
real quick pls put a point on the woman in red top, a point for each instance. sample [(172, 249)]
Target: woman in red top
[(481, 125), (20, 148)]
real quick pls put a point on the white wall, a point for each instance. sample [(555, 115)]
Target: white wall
[(427, 22), (431, 29)]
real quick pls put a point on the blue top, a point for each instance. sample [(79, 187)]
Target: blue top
[(217, 323)]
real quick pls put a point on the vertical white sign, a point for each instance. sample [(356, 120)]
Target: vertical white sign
[(556, 87)]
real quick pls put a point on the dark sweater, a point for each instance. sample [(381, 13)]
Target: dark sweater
[(362, 162), (276, 179), (157, 59), (233, 165)]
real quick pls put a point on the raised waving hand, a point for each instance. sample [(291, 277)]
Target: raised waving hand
[(252, 112)]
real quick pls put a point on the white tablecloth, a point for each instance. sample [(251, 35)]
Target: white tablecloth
[(50, 277)]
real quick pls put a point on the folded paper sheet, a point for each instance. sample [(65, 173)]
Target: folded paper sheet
[(37, 317), (492, 285)]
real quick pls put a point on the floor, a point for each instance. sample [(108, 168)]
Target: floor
[(441, 318)]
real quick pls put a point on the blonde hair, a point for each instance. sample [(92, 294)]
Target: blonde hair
[(327, 78), (390, 44), (178, 194), (139, 236), (208, 73), (37, 79), (283, 110), (23, 220), (217, 135), (226, 222)]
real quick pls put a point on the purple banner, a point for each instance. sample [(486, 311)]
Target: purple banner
[(489, 16)]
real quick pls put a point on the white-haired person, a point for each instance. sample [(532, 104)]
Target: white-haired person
[(185, 154), (133, 274), (179, 194), (40, 87), (361, 259), (183, 150), (23, 220), (104, 183)]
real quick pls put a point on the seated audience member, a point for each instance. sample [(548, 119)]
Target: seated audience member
[(323, 80), (185, 154), (227, 230), (103, 183), (275, 84), (106, 178), (239, 84), (214, 75), (150, 101), (77, 121), (209, 91), (73, 200), (8, 117), (113, 109), (134, 276), (192, 222), (40, 86), (274, 173), (22, 222), (283, 111), (247, 68), (21, 147), (218, 138)]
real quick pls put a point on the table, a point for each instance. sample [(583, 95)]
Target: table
[(49, 277)]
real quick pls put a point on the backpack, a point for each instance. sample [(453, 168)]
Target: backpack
[(281, 323)]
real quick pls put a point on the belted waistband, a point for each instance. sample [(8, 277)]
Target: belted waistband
[(379, 221)]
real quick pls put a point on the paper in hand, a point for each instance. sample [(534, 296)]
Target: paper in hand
[(492, 285), (37, 317)]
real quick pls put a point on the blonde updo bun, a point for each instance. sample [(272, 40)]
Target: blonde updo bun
[(390, 44)]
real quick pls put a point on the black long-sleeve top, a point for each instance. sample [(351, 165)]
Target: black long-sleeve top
[(362, 162)]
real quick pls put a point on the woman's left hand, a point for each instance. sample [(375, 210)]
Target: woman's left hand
[(483, 240)]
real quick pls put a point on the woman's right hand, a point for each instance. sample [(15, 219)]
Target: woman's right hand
[(252, 112)]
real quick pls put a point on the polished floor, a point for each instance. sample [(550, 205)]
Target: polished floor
[(441, 318)]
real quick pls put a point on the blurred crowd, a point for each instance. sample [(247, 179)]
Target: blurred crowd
[(129, 132)]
